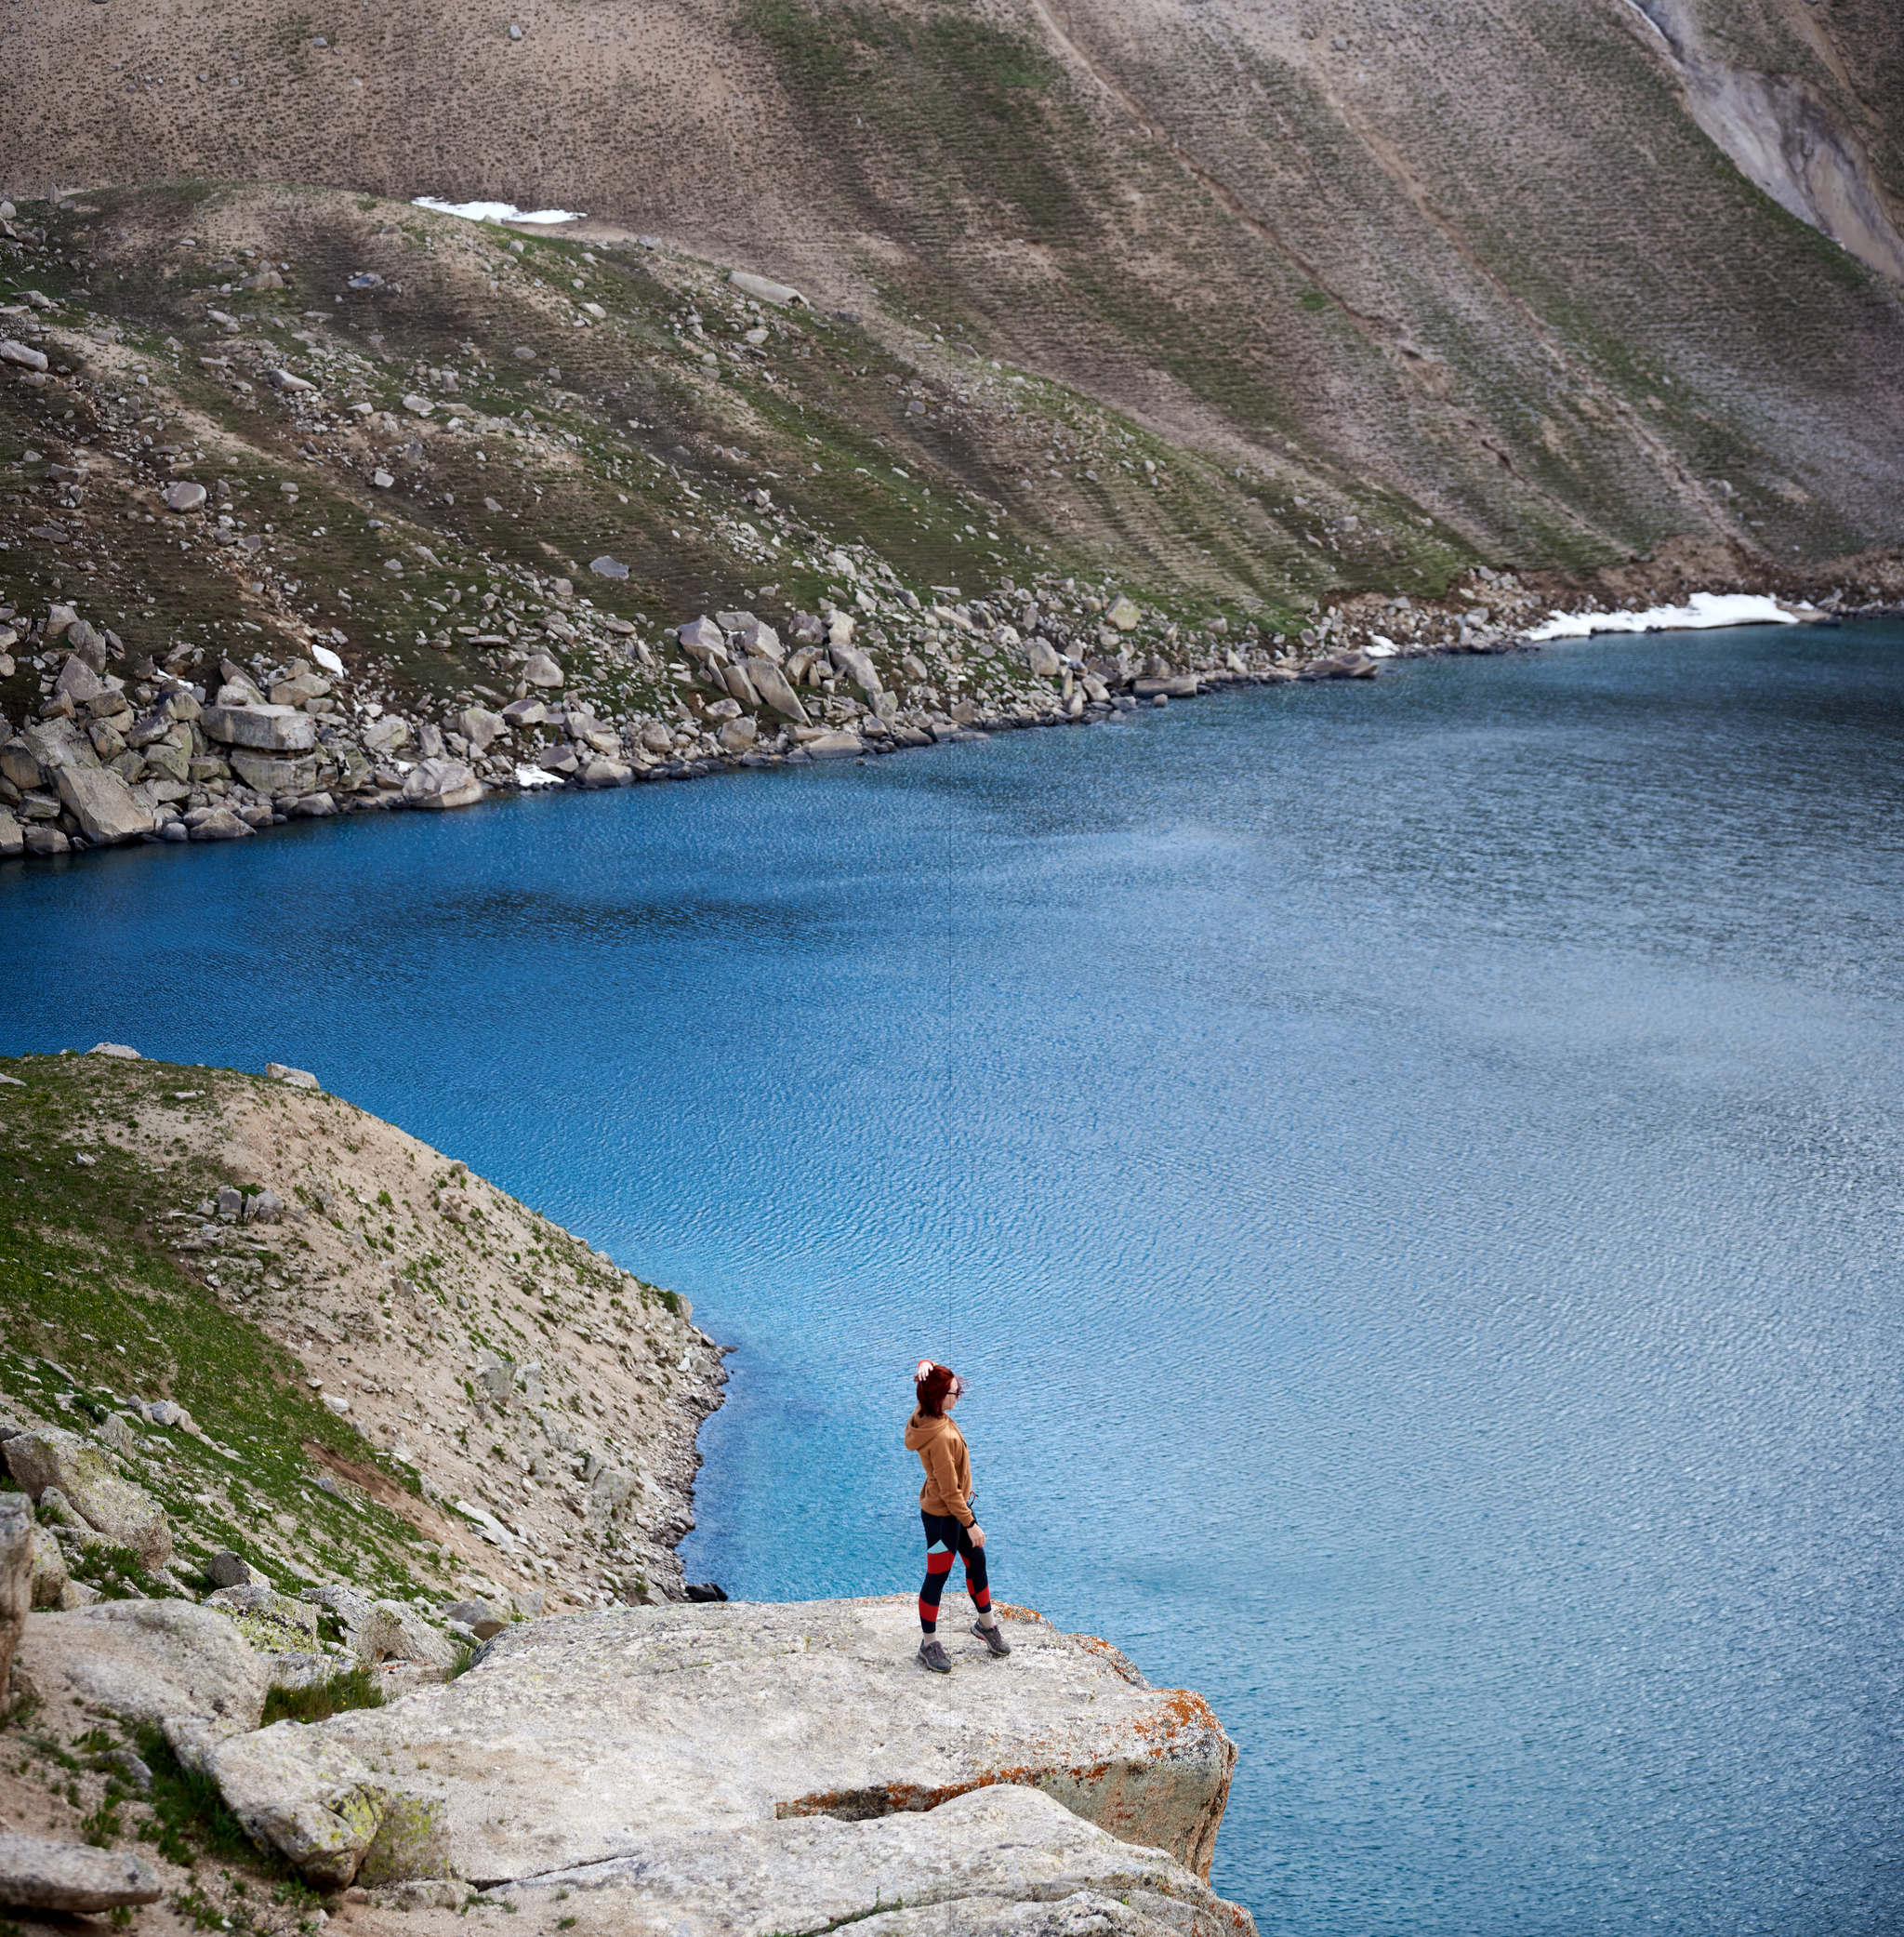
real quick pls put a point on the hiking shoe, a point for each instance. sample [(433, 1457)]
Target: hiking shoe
[(994, 1637), (932, 1655)]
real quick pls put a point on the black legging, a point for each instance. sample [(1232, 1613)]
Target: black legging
[(943, 1531)]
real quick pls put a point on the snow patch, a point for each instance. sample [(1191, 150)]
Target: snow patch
[(495, 211), (1702, 610), (537, 777), (327, 659), (1381, 648)]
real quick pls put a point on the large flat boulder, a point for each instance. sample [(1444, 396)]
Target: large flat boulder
[(146, 1660), (74, 1877), (267, 729), (105, 1500), (723, 1763), (17, 1557)]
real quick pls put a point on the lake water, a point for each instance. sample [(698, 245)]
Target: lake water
[(1411, 1170)]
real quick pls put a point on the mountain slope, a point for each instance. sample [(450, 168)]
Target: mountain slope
[(1482, 257)]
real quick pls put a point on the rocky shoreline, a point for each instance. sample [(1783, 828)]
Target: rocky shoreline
[(121, 750)]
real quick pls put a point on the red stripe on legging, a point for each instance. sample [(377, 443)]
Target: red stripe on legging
[(938, 1563)]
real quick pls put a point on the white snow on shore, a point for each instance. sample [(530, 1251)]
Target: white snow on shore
[(1703, 609), (528, 776), (495, 211)]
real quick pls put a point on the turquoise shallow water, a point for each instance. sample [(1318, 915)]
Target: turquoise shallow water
[(1412, 1171)]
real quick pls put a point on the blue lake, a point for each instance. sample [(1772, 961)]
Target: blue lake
[(1412, 1171)]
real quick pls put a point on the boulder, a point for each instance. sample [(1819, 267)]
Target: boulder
[(442, 783), (220, 823), (266, 729), (479, 727), (148, 1659), (102, 805), (738, 736), (17, 1556), (298, 1079), (775, 694), (1043, 658), (764, 289), (754, 1767), (226, 1569), (602, 772), (1123, 614), (701, 637), (606, 567), (524, 713), (387, 732), (858, 667), (71, 1877), (272, 776), (273, 1623), (17, 764), (50, 1569), (835, 745), (183, 496), (79, 682), (541, 671), (1176, 686), (758, 640), (12, 836), (113, 1506)]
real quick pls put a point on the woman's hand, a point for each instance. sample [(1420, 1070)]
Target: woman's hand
[(978, 1534)]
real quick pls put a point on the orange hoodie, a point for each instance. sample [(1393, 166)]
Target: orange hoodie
[(941, 1452)]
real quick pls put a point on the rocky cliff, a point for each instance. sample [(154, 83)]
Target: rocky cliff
[(690, 1771), (309, 1343)]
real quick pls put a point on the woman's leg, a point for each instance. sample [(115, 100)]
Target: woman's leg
[(976, 1582), (942, 1536)]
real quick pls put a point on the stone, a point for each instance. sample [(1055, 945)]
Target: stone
[(267, 729), (771, 684), (79, 682), (103, 806), (273, 776), (281, 379), (19, 766), (45, 841), (524, 713), (701, 637), (383, 480), (50, 1571), (738, 736), (116, 1434), (146, 1660), (541, 671), (858, 667), (1177, 686), (385, 734), (442, 784), (764, 289), (221, 824), (124, 1052), (479, 727), (835, 745), (759, 1767), (313, 807), (271, 1621), (226, 1569), (601, 772), (17, 1556), (417, 404), (73, 1879), (1042, 657), (1123, 614), (478, 1616), (606, 567), (183, 496), (298, 1079), (123, 1513), (21, 355)]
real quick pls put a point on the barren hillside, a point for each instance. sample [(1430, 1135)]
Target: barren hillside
[(1532, 272)]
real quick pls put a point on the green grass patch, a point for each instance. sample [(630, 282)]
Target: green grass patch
[(355, 1688)]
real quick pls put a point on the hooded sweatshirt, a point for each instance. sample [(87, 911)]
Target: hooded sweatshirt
[(941, 1452)]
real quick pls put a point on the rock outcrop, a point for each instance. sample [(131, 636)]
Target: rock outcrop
[(755, 1766), (108, 1503), (146, 1660)]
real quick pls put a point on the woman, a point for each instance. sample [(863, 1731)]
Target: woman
[(945, 1504)]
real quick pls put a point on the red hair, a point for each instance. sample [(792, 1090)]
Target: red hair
[(932, 1385)]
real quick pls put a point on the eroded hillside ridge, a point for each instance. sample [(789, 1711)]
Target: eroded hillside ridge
[(328, 1350), (524, 511), (1476, 258)]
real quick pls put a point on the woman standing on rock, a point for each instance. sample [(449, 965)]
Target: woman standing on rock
[(945, 1504)]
